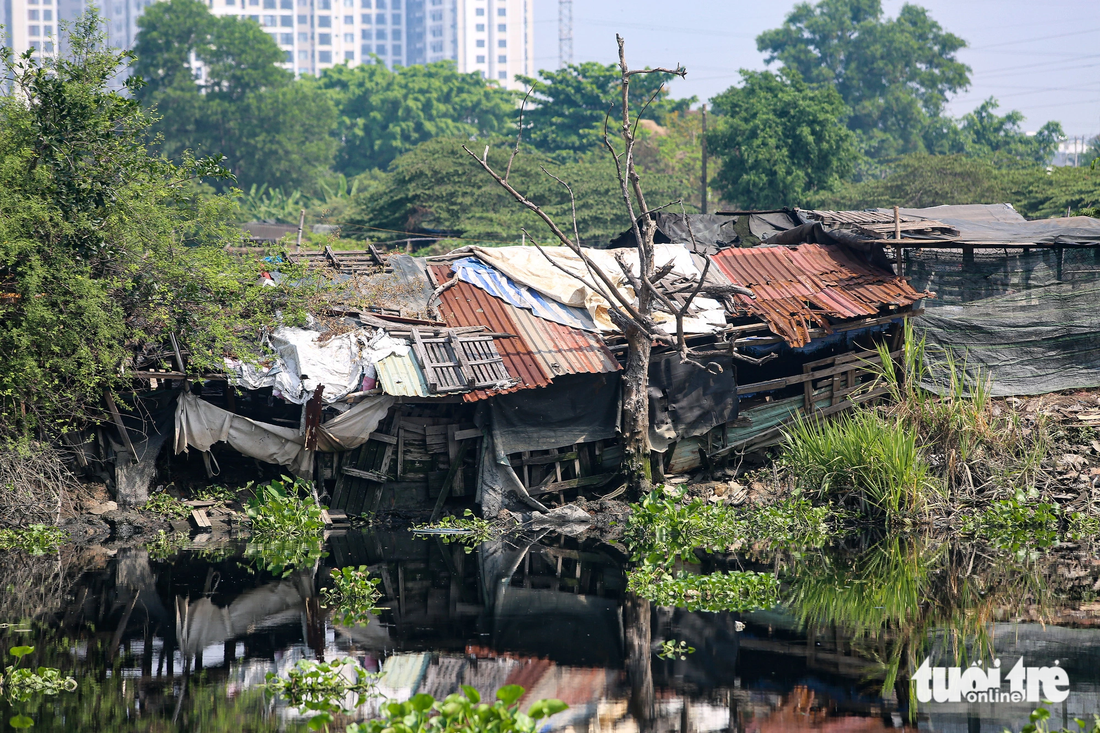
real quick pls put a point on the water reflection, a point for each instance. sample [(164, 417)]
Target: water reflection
[(182, 643)]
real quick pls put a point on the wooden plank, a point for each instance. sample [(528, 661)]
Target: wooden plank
[(430, 375), (400, 450), (781, 382), (198, 516), (176, 352), (383, 438), (573, 483), (467, 434), (117, 419), (463, 362), (551, 458), (446, 490), (368, 475)]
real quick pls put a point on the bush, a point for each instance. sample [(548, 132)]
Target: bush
[(284, 509), (863, 456), (463, 713)]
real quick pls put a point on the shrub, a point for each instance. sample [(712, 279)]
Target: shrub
[(283, 509), (353, 594), (862, 456), (463, 713)]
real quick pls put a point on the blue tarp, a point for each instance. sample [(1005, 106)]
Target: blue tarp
[(480, 275)]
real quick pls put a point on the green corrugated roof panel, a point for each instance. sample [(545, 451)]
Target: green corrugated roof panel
[(401, 376)]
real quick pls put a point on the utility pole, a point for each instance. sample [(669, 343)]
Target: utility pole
[(703, 207), (565, 33)]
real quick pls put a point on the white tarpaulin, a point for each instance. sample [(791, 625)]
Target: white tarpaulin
[(200, 424), (338, 363), (528, 266)]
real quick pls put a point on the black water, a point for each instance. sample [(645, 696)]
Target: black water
[(181, 640)]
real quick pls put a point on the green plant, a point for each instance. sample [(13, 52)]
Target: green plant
[(216, 492), (37, 539), (281, 557), (1037, 723), (1019, 524), (463, 713), (672, 649), (167, 505), (165, 545), (323, 688), (19, 684), (470, 530), (283, 509), (353, 595), (865, 456), (1083, 527), (733, 591)]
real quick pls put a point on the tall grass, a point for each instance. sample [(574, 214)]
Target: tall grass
[(864, 458), (948, 404)]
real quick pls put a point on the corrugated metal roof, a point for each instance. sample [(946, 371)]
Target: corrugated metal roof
[(561, 349), (465, 305), (799, 286), (401, 376)]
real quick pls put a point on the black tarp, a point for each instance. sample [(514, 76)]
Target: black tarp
[(575, 408), (685, 400), (1002, 223)]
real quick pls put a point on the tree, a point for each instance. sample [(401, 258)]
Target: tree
[(985, 134), (778, 140), (105, 248), (430, 189), (569, 106), (633, 314), (894, 74), (271, 129), (385, 113)]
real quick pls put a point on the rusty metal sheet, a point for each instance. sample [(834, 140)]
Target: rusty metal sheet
[(561, 349), (800, 287), (465, 305)]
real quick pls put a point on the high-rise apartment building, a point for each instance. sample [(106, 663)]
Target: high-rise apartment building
[(492, 37)]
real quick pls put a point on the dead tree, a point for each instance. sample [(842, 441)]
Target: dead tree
[(634, 317)]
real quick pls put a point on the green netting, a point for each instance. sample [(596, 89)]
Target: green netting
[(1030, 321)]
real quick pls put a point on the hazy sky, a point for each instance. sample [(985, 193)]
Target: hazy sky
[(1040, 58)]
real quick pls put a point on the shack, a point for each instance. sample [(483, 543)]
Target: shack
[(493, 376)]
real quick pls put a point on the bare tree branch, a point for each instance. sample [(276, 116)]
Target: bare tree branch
[(595, 269), (519, 133)]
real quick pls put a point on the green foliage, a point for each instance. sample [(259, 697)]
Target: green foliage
[(167, 505), (862, 456), (1083, 527), (438, 187), (672, 649), (463, 713), (1037, 723), (664, 528), (323, 688), (985, 134), (469, 530), (353, 595), (20, 684), (216, 492), (384, 113), (732, 591), (1018, 525), (271, 129), (777, 140), (104, 247), (286, 526), (893, 74), (919, 181), (947, 404), (567, 108), (37, 539), (284, 509), (166, 545)]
